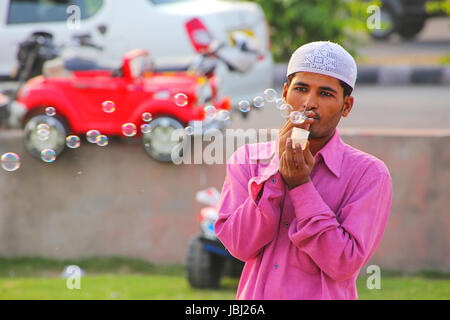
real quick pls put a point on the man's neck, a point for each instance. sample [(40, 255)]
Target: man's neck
[(316, 144)]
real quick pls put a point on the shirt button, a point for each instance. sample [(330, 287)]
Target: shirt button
[(286, 224), (274, 180), (275, 266)]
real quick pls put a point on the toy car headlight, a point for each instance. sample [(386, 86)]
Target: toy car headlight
[(204, 93)]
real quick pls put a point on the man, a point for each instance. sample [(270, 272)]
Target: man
[(306, 221)]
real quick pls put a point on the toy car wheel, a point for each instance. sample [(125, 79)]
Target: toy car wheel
[(54, 139), (204, 269), (158, 142)]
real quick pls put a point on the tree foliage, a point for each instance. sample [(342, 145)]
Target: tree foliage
[(295, 22)]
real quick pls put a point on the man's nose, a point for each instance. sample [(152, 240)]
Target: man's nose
[(310, 102)]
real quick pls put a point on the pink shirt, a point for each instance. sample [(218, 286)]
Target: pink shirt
[(309, 242)]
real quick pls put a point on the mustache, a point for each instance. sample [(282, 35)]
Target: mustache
[(316, 115)]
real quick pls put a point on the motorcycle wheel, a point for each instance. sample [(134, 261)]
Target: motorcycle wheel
[(204, 269)]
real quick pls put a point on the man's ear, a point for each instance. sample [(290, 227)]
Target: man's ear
[(348, 105), (285, 90)]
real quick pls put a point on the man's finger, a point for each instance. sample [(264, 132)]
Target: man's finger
[(309, 158), (299, 156), (289, 153)]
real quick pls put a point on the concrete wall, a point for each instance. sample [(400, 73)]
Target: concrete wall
[(115, 200)]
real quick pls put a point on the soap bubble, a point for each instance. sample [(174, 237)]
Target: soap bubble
[(72, 141), (50, 111), (279, 102), (258, 102), (109, 106), (43, 131), (147, 117), (244, 106), (285, 110), (92, 136), (48, 155), (189, 130), (223, 115), (129, 129), (146, 128), (181, 99), (10, 161), (210, 111), (102, 140), (270, 95), (297, 117)]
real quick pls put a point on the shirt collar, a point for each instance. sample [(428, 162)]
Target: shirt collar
[(332, 154)]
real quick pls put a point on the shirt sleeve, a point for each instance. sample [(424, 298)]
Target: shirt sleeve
[(248, 212), (341, 246)]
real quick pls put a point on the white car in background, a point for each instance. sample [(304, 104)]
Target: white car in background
[(171, 30)]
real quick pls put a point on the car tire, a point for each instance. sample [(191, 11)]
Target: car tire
[(387, 17), (203, 268), (158, 143), (56, 139), (410, 28)]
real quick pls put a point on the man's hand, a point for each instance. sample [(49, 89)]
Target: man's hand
[(286, 131), (296, 164)]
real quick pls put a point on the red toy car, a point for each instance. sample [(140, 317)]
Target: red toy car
[(77, 98)]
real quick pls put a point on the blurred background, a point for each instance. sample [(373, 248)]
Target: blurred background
[(135, 224)]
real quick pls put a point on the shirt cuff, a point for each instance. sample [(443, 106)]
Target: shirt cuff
[(307, 201), (273, 182)]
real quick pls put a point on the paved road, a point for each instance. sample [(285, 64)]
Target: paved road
[(396, 107), (429, 45)]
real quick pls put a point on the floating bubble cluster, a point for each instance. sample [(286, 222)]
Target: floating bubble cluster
[(270, 95)]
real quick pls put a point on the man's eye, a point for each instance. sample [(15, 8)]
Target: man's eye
[(326, 94), (302, 89)]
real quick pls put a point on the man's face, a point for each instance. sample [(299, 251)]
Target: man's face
[(321, 94)]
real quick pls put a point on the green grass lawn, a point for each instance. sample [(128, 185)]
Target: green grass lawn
[(116, 278)]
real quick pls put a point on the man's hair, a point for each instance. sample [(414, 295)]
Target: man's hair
[(347, 89)]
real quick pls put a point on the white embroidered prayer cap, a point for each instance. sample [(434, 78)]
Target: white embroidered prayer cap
[(324, 57)]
